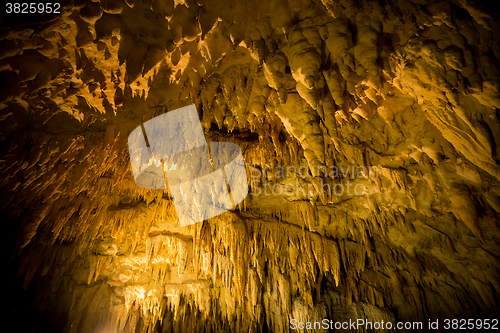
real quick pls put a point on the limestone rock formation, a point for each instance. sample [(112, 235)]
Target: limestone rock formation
[(370, 132)]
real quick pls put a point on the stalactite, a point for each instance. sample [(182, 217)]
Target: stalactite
[(411, 97)]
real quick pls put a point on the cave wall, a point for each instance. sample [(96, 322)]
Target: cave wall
[(406, 89)]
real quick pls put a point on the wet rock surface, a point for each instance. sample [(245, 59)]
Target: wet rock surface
[(394, 102)]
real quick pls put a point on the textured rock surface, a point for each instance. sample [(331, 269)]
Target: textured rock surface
[(410, 88)]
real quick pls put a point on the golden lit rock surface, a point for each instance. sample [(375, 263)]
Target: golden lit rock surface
[(402, 98)]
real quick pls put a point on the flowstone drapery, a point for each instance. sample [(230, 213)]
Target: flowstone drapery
[(407, 90)]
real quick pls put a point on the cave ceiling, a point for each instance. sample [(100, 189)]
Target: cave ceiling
[(370, 132)]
